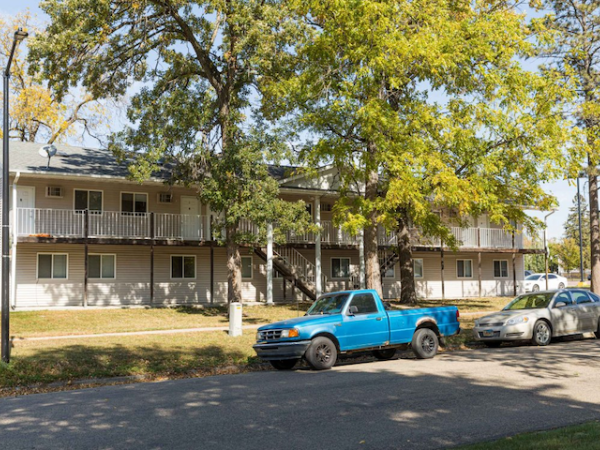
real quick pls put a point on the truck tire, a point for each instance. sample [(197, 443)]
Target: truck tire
[(321, 353), (384, 355), (425, 343), (283, 364)]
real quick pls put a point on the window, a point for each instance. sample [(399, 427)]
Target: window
[(54, 191), (501, 268), (580, 297), (340, 267), (134, 203), (52, 266), (246, 267), (563, 297), (365, 303), (552, 277), (464, 268), (418, 268), (165, 197), (88, 200), (183, 267), (102, 266)]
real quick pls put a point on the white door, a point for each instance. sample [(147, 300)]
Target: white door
[(25, 210), (190, 218)]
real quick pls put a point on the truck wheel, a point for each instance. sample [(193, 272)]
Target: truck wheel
[(283, 364), (321, 353), (424, 343), (541, 333), (384, 355)]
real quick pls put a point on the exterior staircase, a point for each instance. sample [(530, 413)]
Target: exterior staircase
[(389, 260), (295, 267)]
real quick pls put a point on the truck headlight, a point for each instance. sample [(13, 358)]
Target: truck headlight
[(517, 320), (292, 332), (258, 336)]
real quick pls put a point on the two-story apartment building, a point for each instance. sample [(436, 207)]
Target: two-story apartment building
[(83, 234)]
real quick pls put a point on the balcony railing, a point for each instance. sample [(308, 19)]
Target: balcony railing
[(121, 225), (108, 224)]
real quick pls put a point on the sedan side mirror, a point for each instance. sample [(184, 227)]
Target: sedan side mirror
[(560, 304), (352, 310)]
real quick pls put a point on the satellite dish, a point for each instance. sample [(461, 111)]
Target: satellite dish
[(48, 151)]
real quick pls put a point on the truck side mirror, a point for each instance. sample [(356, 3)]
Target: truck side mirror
[(352, 310)]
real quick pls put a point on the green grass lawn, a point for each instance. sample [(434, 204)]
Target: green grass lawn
[(153, 356), (578, 437)]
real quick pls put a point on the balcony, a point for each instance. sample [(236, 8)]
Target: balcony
[(55, 223), (108, 224)]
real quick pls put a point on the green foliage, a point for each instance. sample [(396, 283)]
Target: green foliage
[(198, 64), (565, 253), (436, 88), (571, 228)]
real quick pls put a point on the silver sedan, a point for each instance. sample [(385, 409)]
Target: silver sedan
[(540, 316)]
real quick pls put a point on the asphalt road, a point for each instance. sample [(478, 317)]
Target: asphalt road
[(456, 398)]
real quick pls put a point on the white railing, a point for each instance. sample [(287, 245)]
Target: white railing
[(112, 224), (178, 226), (49, 222), (303, 268), (119, 225)]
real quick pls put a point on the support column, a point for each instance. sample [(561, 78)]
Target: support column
[(318, 287), (479, 271), (86, 227), (442, 272), (269, 263), (152, 258), (207, 226), (361, 258), (514, 264), (13, 253), (212, 273)]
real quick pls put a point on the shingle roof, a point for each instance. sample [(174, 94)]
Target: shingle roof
[(85, 161)]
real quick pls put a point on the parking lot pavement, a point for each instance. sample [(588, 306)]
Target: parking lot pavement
[(455, 398)]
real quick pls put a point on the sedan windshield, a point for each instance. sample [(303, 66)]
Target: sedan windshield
[(530, 301), (332, 304)]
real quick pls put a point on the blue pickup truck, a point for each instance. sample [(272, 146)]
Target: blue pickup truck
[(353, 321)]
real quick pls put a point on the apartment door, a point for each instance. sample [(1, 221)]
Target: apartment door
[(25, 210), (190, 218)]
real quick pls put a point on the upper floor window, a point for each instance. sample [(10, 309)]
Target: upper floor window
[(464, 268), (88, 200), (132, 202)]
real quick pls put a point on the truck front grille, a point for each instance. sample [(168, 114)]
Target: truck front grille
[(270, 335)]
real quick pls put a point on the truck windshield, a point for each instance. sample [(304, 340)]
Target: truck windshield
[(332, 304)]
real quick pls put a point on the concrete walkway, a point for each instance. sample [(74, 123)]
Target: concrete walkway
[(134, 333)]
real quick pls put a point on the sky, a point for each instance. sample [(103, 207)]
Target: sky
[(564, 190)]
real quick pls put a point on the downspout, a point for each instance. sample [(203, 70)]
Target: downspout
[(13, 251)]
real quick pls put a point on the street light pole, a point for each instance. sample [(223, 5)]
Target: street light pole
[(580, 241), (5, 291), (546, 246)]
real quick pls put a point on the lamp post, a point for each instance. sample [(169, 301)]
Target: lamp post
[(546, 246), (5, 344), (580, 175)]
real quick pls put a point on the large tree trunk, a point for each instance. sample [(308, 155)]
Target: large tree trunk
[(373, 273), (594, 233), (234, 267), (408, 295)]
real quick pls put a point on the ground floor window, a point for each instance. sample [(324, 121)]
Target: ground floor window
[(501, 268), (464, 268), (340, 267), (52, 265), (246, 267), (183, 266), (102, 266), (418, 268)]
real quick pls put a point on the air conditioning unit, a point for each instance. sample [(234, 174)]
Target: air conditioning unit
[(54, 191), (165, 197)]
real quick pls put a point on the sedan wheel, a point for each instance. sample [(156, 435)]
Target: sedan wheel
[(535, 288), (541, 333)]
